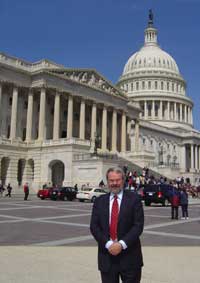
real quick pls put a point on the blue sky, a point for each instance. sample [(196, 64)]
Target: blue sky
[(102, 34)]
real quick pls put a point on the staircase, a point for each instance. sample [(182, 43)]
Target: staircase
[(122, 161)]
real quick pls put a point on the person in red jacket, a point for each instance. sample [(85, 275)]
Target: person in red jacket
[(175, 201), (26, 191)]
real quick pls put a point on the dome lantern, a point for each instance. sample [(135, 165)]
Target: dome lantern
[(150, 32)]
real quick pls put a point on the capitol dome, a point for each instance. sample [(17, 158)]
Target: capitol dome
[(152, 78), (149, 57)]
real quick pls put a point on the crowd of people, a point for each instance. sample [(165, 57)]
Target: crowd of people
[(136, 179), (179, 196)]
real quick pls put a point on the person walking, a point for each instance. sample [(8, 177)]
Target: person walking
[(184, 203), (9, 190), (1, 190), (117, 222), (175, 201), (26, 191)]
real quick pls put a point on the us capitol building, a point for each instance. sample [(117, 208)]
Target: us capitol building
[(66, 126)]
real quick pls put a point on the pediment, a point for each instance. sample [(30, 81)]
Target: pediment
[(91, 78)]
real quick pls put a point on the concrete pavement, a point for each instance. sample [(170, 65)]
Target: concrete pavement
[(59, 264), (79, 264)]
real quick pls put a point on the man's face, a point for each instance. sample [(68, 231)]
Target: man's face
[(115, 182)]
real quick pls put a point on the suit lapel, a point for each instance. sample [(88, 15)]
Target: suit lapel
[(122, 206), (107, 211)]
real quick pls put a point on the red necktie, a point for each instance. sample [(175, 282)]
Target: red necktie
[(114, 219)]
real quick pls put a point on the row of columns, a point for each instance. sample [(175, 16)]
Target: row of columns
[(195, 157), (171, 112), (56, 120)]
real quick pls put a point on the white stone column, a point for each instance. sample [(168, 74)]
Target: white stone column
[(192, 156), (171, 111), (191, 116), (114, 130), (56, 118), (42, 114), (185, 113), (181, 113), (175, 113), (14, 113), (183, 158), (1, 112), (70, 117), (160, 110), (123, 133), (29, 118), (196, 158), (104, 129), (168, 110), (153, 110), (199, 158), (145, 110), (128, 135), (82, 120), (137, 135), (94, 121)]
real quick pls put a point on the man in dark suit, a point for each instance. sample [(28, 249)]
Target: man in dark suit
[(117, 222)]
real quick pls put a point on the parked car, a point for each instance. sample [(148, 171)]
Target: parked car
[(90, 194), (64, 193), (45, 193), (157, 194), (140, 191)]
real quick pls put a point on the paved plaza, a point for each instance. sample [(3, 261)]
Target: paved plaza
[(49, 232)]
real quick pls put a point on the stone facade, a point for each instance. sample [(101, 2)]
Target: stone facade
[(67, 126), (49, 114)]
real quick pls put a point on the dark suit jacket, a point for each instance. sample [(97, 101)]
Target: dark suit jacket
[(130, 227)]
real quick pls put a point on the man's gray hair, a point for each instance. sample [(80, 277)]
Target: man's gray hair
[(115, 169)]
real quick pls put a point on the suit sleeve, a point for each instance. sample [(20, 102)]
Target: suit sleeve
[(95, 226), (137, 228)]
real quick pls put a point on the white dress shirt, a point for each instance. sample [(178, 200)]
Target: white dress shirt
[(119, 200)]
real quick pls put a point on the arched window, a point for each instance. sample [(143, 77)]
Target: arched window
[(167, 85), (142, 108), (137, 85), (156, 110), (149, 85), (149, 109), (156, 84), (162, 85), (131, 86), (143, 85)]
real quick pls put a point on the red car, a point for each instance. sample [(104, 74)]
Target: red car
[(45, 193)]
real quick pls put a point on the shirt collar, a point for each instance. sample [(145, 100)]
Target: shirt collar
[(119, 195)]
